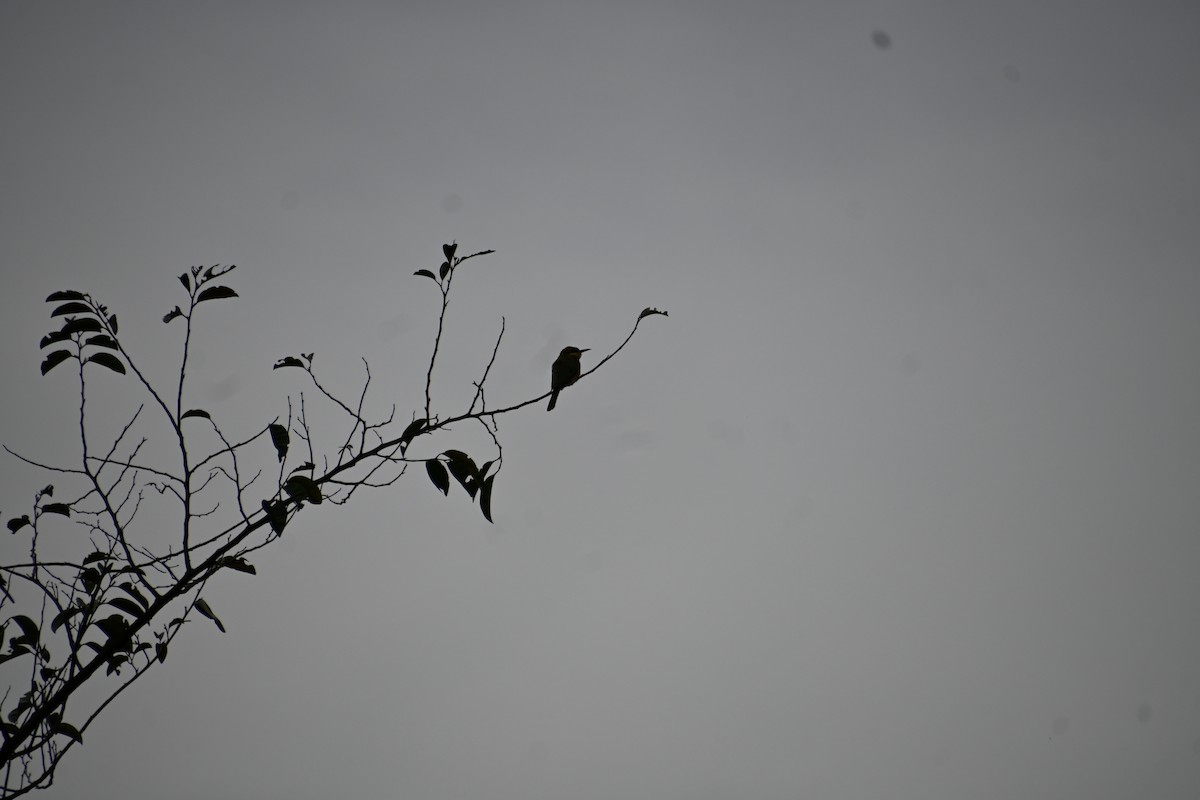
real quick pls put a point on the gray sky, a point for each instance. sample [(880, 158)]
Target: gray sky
[(900, 502)]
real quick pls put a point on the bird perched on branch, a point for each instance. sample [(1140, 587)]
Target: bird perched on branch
[(564, 372)]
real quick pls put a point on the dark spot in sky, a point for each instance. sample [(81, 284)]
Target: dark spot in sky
[(881, 40), (1145, 712)]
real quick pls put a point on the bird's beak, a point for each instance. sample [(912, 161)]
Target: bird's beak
[(584, 349)]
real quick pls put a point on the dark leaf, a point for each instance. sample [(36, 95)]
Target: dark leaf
[(307, 465), (415, 427), (57, 508), (128, 606), (103, 340), (648, 311), (160, 652), (90, 578), (483, 471), (82, 325), (289, 361), (195, 412), (55, 338), (485, 498), (29, 630), (66, 729), (131, 590), (444, 270), (107, 360), (302, 487), (115, 628), (54, 359), (237, 563), (48, 491), (186, 280), (112, 323), (115, 662), (46, 673), (97, 556), (17, 652), (276, 514), (480, 253), (204, 610), (67, 295), (426, 273), (280, 438), (448, 250), (437, 474), (71, 308), (16, 523), (172, 314), (463, 468), (215, 293)]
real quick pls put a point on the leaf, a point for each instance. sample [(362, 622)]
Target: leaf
[(82, 325), (67, 295), (414, 428), (107, 360), (54, 338), (48, 491), (54, 359), (71, 308), (131, 590), (444, 270), (63, 616), (128, 606), (204, 610), (216, 293), (186, 280), (67, 729), (195, 412), (426, 273), (90, 578), (483, 471), (116, 629), (289, 361), (279, 438), (29, 630), (463, 468), (115, 662), (276, 514), (17, 652), (648, 311), (16, 523), (237, 563), (172, 314), (448, 250), (437, 474), (57, 508), (97, 556), (160, 652), (103, 340), (485, 498), (302, 487), (307, 465), (112, 323)]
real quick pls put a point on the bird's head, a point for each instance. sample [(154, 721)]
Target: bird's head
[(572, 352)]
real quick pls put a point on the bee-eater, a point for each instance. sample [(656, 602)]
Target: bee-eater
[(564, 372)]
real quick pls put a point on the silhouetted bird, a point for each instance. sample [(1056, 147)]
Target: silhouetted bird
[(564, 372)]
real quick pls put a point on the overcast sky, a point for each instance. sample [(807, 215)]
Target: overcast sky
[(901, 501)]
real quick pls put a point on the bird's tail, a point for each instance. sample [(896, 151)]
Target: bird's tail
[(553, 400)]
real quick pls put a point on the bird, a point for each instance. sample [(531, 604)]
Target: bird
[(564, 372)]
